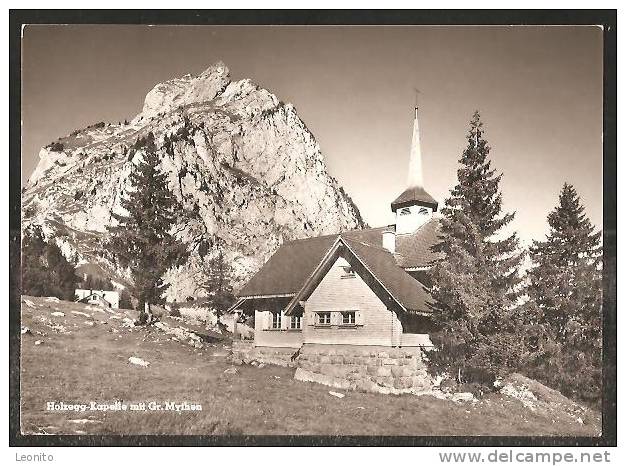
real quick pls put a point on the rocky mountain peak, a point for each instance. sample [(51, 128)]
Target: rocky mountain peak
[(188, 90), (243, 164)]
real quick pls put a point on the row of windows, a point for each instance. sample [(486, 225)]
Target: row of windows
[(347, 318), (322, 318), (295, 323)]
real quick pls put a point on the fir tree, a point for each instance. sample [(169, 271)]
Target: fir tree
[(566, 280), (565, 300), (475, 284), (216, 281), (45, 271), (142, 240)]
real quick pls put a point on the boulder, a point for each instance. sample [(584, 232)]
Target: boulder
[(138, 361), (461, 397), (366, 385)]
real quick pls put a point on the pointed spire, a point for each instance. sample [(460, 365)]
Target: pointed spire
[(415, 194), (415, 178)]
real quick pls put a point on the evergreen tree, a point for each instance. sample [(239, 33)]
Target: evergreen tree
[(216, 281), (475, 284), (34, 271), (565, 301), (142, 240), (45, 271)]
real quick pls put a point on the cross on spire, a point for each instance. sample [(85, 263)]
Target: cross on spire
[(417, 93)]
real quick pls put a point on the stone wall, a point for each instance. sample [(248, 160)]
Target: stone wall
[(375, 369), (244, 352)]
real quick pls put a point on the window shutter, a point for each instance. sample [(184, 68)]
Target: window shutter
[(358, 318), (284, 320), (335, 318), (310, 318), (267, 320)]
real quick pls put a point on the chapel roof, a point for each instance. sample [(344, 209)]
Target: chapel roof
[(289, 268)]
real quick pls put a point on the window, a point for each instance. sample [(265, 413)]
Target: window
[(323, 318), (423, 211), (348, 271), (348, 318), (276, 319), (405, 211), (296, 322)]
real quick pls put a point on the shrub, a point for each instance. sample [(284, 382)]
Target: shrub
[(56, 147)]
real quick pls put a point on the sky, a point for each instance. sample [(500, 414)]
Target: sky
[(538, 89)]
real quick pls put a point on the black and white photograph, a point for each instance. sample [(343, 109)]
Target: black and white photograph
[(247, 231)]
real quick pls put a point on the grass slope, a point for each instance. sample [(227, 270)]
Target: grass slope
[(77, 362)]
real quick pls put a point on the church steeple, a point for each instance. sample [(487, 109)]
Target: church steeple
[(415, 179), (414, 206)]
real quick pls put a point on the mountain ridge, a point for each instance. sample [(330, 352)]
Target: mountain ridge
[(246, 168)]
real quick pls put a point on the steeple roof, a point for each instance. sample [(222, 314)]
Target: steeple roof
[(414, 196)]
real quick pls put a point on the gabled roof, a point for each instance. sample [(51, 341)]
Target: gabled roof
[(412, 196), (378, 268), (406, 290), (289, 267), (86, 298), (299, 265)]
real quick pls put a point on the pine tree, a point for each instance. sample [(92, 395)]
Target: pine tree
[(142, 240), (45, 271), (565, 300), (475, 284)]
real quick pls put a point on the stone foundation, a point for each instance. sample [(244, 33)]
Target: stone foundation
[(375, 369), (244, 352)]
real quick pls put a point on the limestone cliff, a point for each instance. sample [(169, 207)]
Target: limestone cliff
[(241, 161)]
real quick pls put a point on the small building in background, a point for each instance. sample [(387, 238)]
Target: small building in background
[(104, 298)]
